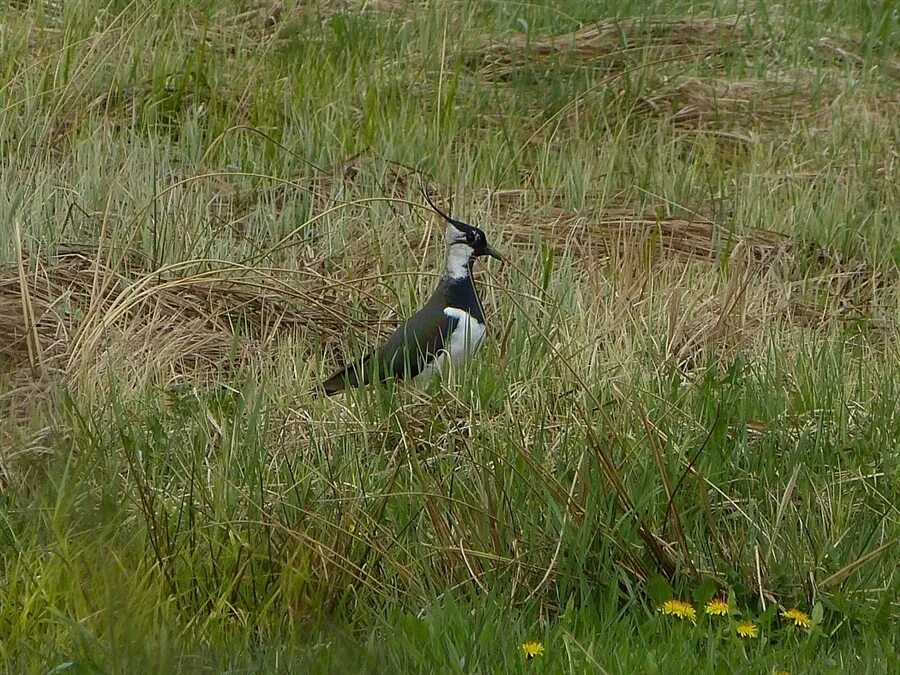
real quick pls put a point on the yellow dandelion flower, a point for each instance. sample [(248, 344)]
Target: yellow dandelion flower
[(351, 527), (717, 607), (679, 608), (532, 649), (747, 629), (800, 619)]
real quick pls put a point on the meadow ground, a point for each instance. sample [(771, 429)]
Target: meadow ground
[(689, 391)]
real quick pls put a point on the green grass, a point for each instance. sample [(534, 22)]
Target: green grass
[(691, 384)]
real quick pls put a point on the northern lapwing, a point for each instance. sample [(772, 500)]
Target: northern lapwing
[(448, 329)]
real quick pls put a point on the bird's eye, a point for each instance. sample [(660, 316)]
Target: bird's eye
[(471, 237)]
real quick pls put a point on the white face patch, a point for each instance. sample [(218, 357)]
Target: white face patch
[(458, 256), (453, 235), (458, 346)]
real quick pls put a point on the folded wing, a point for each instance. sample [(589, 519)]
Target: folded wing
[(405, 354)]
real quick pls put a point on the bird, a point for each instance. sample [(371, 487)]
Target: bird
[(448, 329)]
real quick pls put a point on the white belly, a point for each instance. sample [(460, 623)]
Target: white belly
[(458, 346)]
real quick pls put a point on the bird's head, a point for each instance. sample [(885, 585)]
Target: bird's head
[(468, 237)]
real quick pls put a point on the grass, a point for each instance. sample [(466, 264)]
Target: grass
[(690, 388)]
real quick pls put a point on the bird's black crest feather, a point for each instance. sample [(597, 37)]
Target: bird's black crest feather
[(458, 224)]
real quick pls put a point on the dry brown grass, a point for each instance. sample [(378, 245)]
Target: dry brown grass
[(729, 106), (821, 284), (73, 311), (840, 50), (607, 43)]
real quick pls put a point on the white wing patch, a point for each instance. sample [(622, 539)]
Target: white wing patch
[(458, 346)]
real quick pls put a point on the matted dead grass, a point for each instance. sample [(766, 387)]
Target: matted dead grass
[(729, 105), (727, 108), (83, 308), (839, 49), (820, 285), (606, 43)]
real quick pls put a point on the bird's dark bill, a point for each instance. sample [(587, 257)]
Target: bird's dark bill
[(493, 253)]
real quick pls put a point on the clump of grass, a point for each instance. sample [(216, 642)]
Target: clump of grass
[(69, 308)]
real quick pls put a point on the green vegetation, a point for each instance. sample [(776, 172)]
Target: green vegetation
[(691, 384)]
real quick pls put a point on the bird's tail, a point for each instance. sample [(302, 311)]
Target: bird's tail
[(352, 375)]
